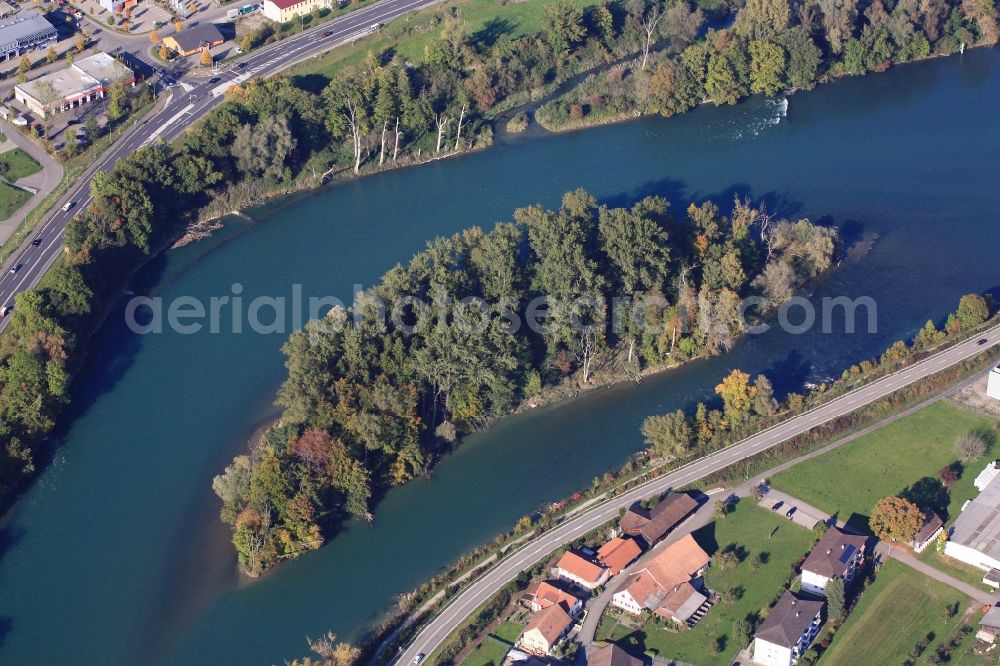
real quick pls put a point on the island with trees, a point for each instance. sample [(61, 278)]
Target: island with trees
[(371, 398)]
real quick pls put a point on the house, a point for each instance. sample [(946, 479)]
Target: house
[(993, 383), (612, 655), (542, 594), (117, 6), (933, 526), (84, 81), (194, 39), (544, 630), (664, 586), (838, 554), (975, 536), (788, 630), (618, 553), (651, 525), (282, 11), (23, 32), (989, 627), (580, 571)]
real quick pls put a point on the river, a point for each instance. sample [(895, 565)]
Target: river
[(115, 555)]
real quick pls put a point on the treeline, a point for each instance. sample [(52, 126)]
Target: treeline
[(749, 406), (447, 343), (760, 46)]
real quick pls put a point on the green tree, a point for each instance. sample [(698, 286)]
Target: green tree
[(563, 25), (669, 434), (972, 311), (836, 599), (261, 151), (51, 55), (767, 67)]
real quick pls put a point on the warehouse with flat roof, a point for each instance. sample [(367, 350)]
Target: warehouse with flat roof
[(23, 32), (84, 81)]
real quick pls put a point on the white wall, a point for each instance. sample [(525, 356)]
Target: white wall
[(625, 601), (970, 556), (993, 384), (769, 654), (814, 583)]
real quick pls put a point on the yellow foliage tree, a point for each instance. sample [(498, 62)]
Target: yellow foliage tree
[(206, 58), (737, 395), (153, 37)]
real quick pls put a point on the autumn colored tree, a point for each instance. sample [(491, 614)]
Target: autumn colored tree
[(896, 519), (206, 59), (947, 475), (154, 37), (51, 55), (737, 395), (80, 45)]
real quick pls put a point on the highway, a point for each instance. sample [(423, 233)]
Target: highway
[(189, 100), (463, 604)]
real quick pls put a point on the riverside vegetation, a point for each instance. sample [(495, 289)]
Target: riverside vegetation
[(283, 134), (368, 401)]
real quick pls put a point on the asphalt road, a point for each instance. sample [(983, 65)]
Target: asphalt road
[(462, 605), (187, 103)]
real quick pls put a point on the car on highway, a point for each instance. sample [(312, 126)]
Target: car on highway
[(419, 658), (214, 79), (5, 310), (328, 33), (14, 269), (982, 341), (374, 27), (790, 513), (36, 242), (68, 205)]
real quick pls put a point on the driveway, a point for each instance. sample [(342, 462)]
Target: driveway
[(45, 180), (805, 515)]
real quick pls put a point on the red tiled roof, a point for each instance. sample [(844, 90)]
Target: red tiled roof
[(285, 4), (618, 554), (551, 623), (579, 567), (545, 594)]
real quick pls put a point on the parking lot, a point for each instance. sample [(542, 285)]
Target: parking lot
[(805, 515)]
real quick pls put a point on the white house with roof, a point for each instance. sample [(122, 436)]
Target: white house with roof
[(838, 554), (975, 536), (788, 630)]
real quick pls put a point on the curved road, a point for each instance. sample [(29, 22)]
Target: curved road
[(181, 109), (462, 605)]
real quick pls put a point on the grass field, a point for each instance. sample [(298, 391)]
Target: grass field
[(408, 35), (493, 648), (903, 456), (16, 164), (710, 643), (11, 200), (901, 607)]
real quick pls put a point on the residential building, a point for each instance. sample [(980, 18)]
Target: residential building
[(117, 6), (618, 553), (580, 571), (282, 11), (612, 655), (788, 630), (669, 584), (84, 81), (933, 526), (651, 525), (544, 630), (975, 536), (194, 39), (838, 554), (23, 32), (989, 626), (542, 594), (993, 383)]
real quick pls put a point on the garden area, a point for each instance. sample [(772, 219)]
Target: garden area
[(904, 458), (765, 548), (11, 200), (904, 617), (16, 163), (495, 646)]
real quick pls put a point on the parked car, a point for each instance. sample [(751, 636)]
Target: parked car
[(777, 505), (789, 513)]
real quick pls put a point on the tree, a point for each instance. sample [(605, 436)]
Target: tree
[(116, 101), (836, 599), (767, 67), (51, 55), (24, 65), (206, 59), (737, 395), (742, 629), (70, 58), (970, 446), (246, 43), (154, 37), (261, 151), (164, 53), (947, 475), (972, 311), (760, 19), (896, 519), (348, 114), (563, 25), (669, 434), (81, 44), (803, 57)]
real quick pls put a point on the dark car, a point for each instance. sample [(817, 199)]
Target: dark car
[(777, 505), (241, 65), (36, 242), (328, 33), (982, 341), (788, 514), (214, 79)]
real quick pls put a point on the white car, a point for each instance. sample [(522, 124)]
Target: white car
[(419, 658), (67, 205)]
